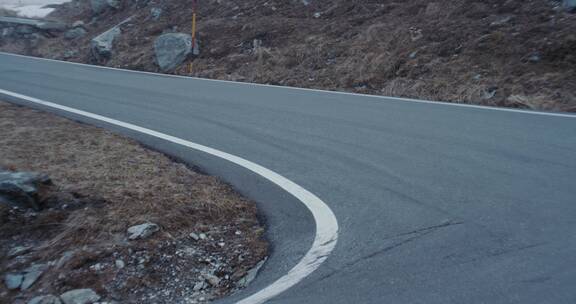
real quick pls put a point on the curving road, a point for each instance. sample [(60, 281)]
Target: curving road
[(435, 203)]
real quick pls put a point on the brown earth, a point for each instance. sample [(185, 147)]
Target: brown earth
[(105, 183), (512, 53)]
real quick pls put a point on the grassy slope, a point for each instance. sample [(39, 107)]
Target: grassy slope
[(459, 53), (109, 184)]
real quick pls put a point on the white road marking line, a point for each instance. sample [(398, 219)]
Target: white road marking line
[(440, 103), (326, 223)]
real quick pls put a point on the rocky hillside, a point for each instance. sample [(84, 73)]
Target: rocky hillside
[(513, 53)]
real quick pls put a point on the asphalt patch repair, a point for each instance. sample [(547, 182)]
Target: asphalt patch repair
[(208, 241)]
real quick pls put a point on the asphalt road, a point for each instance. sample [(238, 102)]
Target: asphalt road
[(435, 203)]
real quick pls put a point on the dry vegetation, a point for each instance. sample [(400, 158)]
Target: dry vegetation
[(105, 184), (512, 53)]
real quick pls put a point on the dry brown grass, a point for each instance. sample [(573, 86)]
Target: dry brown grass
[(116, 183)]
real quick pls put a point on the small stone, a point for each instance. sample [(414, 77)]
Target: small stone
[(13, 281), (18, 251), (489, 93), (194, 236), (212, 279), (203, 236), (317, 15), (49, 299), (534, 58), (32, 274), (113, 4), (155, 12), (74, 33), (142, 231), (221, 244), (199, 286), (251, 274), (78, 23), (413, 55), (80, 296), (238, 232), (120, 264), (66, 257)]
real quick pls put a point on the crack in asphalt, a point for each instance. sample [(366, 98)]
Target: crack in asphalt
[(417, 234)]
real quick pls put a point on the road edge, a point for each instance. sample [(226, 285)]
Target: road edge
[(421, 101)]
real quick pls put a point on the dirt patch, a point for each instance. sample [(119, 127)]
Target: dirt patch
[(510, 53), (104, 184)]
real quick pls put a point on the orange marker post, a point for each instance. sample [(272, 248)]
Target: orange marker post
[(194, 5)]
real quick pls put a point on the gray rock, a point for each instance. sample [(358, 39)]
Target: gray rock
[(69, 54), (251, 275), (78, 23), (155, 12), (79, 296), (172, 49), (32, 274), (7, 32), (489, 93), (119, 264), (142, 231), (569, 5), (74, 33), (115, 4), (98, 6), (212, 279), (18, 251), (13, 281), (49, 299), (103, 43), (199, 286), (534, 58), (66, 257), (22, 188), (194, 236)]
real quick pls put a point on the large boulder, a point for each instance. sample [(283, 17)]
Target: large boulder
[(171, 50), (74, 33), (98, 6), (22, 189), (103, 43)]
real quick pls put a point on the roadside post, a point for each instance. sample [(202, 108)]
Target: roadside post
[(195, 50)]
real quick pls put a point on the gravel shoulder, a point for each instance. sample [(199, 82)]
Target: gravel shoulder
[(206, 240)]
